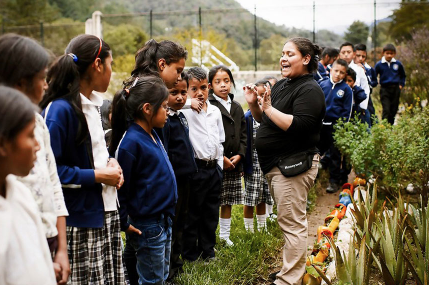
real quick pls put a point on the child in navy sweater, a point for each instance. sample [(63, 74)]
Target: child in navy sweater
[(149, 194), (358, 94), (339, 102), (392, 80), (175, 136)]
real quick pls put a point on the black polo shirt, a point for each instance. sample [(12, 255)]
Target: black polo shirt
[(304, 99)]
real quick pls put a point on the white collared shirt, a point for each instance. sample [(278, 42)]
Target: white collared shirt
[(383, 60), (100, 154), (362, 82), (24, 253), (206, 133), (44, 183), (226, 104)]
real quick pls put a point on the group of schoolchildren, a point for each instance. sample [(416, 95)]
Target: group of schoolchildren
[(177, 148), (347, 81)]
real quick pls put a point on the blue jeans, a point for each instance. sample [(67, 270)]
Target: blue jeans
[(152, 248)]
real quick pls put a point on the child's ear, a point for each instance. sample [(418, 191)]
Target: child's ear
[(147, 109), (97, 64), (210, 86), (161, 64), (3, 151)]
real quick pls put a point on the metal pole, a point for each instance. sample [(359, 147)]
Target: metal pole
[(42, 41), (256, 41), (150, 24), (314, 21), (374, 40), (2, 24), (201, 35)]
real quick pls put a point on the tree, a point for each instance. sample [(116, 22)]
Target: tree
[(357, 33), (124, 39), (412, 15), (270, 51)]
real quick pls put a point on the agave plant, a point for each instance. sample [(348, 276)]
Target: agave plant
[(389, 257), (418, 255)]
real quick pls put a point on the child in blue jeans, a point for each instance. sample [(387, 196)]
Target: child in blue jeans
[(149, 194)]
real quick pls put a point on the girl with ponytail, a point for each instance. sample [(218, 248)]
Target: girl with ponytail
[(149, 194), (88, 176)]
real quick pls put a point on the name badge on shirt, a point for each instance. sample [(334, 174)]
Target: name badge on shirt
[(395, 66)]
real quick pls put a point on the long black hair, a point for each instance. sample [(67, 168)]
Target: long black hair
[(215, 69), (16, 112), (148, 56), (128, 103), (65, 75), (21, 59)]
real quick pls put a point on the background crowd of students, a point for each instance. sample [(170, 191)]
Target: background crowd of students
[(171, 168)]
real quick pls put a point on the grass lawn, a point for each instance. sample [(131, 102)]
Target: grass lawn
[(252, 258)]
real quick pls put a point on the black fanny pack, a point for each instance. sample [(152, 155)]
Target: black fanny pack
[(296, 164)]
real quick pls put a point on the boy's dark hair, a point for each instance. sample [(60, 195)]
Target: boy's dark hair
[(148, 56), (105, 111), (347, 44), (360, 47), (351, 73), (305, 46), (21, 59), (65, 75), (262, 82), (341, 62), (215, 69), (389, 47), (184, 76), (196, 72), (331, 52), (16, 112), (128, 103), (270, 77)]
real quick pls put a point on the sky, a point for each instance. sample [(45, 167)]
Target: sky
[(334, 15)]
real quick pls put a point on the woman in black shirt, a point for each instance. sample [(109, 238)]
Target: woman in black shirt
[(291, 117)]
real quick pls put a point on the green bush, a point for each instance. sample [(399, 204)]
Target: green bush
[(395, 155)]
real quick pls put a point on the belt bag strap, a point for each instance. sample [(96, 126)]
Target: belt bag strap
[(295, 164)]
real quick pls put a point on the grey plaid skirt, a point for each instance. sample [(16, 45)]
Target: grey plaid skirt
[(96, 253), (232, 189), (256, 189)]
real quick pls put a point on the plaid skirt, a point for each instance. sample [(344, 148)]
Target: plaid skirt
[(96, 253), (232, 189), (256, 189)]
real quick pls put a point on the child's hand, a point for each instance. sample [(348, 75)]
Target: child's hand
[(227, 164), (110, 176), (114, 163), (62, 259), (235, 159), (196, 104), (131, 230), (57, 271), (400, 87)]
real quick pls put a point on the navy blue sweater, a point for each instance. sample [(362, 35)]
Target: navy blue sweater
[(150, 187), (358, 95), (248, 161), (338, 99), (371, 75), (75, 167), (393, 74), (175, 136), (321, 73)]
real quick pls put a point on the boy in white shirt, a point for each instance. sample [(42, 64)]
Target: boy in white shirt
[(207, 134)]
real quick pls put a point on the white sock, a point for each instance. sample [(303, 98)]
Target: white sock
[(248, 224), (262, 222), (269, 209), (224, 228)]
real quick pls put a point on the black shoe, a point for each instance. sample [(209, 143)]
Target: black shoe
[(333, 187), (272, 276)]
